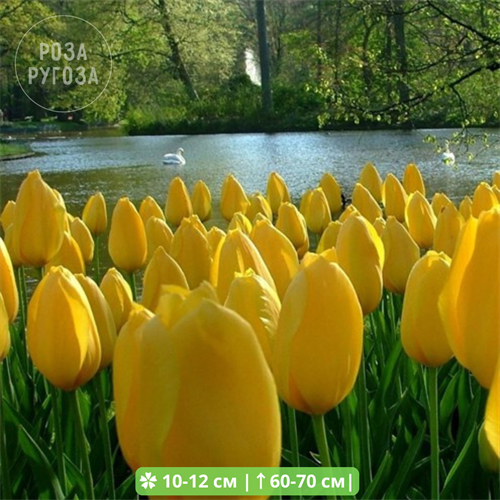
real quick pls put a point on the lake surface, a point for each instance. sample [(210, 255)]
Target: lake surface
[(132, 166)]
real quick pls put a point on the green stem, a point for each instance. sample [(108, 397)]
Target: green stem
[(61, 467), (294, 440), (80, 436), (6, 487), (97, 264), (345, 412), (365, 474), (322, 443), (131, 282), (434, 429), (108, 458)]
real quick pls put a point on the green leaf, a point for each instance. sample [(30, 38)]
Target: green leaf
[(380, 479)]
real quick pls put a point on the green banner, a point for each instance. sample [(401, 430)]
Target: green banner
[(225, 481)]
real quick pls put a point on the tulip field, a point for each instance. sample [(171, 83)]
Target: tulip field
[(342, 329)]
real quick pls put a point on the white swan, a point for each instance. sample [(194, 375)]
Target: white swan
[(448, 158), (174, 159)]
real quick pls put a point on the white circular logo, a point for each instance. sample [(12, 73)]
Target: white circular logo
[(65, 66)]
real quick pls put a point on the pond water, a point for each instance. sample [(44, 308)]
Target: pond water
[(132, 166)]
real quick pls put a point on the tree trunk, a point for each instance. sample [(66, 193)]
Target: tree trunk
[(319, 38), (401, 54), (265, 73)]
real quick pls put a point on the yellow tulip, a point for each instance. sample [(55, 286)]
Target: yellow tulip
[(255, 301), (420, 220), (469, 300), (293, 225), (149, 208), (103, 317), (317, 211), (95, 214), (466, 208), (161, 270), (118, 295), (83, 237), (329, 255), (401, 253), (361, 255), (158, 234), (489, 441), (201, 200), (68, 256), (497, 192), (304, 201), (195, 221), (236, 254), (191, 250), (332, 191), (349, 210), (422, 330), (241, 222), (448, 226), (127, 243), (370, 178), (379, 225), (484, 199), (62, 336), (259, 205), (13, 252), (214, 237), (8, 287), (366, 203), (277, 192), (4, 331), (394, 198), (439, 201), (319, 341), (412, 179), (228, 414), (329, 237), (233, 198), (178, 203), (278, 253), (39, 220), (7, 217), (495, 181)]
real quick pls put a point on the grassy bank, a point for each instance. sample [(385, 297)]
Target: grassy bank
[(13, 149)]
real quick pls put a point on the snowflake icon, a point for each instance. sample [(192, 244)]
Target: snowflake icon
[(148, 481)]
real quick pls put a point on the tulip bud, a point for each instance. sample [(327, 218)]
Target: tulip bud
[(235, 255), (304, 201), (350, 210), (149, 208), (259, 205), (495, 181), (448, 226), (83, 237), (191, 250), (420, 220), (412, 179), (239, 221), (255, 301), (68, 256), (332, 192), (13, 252), (62, 336), (319, 341), (497, 193), (293, 225), (468, 302), (201, 200), (95, 214), (7, 217), (158, 234), (370, 178), (366, 203), (39, 220), (233, 198), (330, 255), (439, 201), (127, 237), (394, 198), (277, 192), (119, 296), (422, 330), (278, 253), (214, 237), (488, 457), (361, 255), (329, 237), (484, 199), (178, 203), (317, 211), (230, 391), (401, 253), (379, 225), (103, 317), (4, 331), (8, 287)]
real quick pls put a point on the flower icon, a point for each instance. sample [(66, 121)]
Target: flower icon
[(148, 481)]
